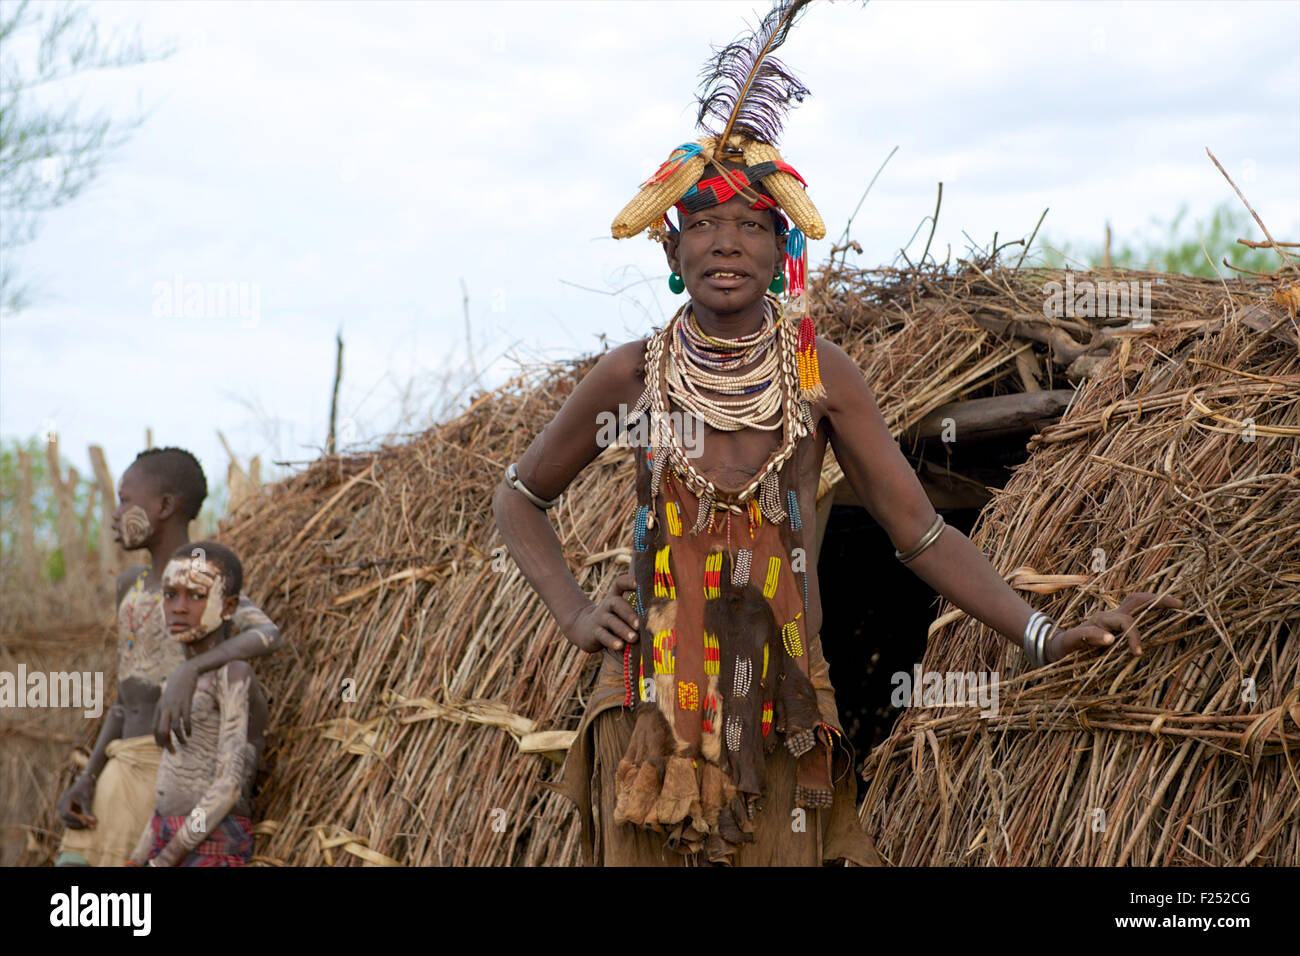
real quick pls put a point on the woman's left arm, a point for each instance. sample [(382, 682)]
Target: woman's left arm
[(888, 488)]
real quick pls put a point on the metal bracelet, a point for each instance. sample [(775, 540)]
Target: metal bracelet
[(513, 479), (1027, 638), (927, 539), (1048, 634), (1033, 643)]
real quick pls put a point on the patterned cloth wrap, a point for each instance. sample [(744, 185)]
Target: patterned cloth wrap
[(231, 844)]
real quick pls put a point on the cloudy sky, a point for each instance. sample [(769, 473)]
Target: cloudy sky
[(347, 167)]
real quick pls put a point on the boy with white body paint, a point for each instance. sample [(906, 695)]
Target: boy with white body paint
[(113, 797), (203, 789)]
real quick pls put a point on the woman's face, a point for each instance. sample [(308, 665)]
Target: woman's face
[(727, 255)]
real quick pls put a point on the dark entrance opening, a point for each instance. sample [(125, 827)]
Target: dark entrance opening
[(875, 610)]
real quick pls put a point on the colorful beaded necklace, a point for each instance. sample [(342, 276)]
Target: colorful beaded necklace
[(130, 611), (664, 370), (695, 384)]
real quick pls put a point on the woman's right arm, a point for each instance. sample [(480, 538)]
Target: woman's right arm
[(571, 441)]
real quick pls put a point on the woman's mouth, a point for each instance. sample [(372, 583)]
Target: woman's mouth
[(725, 278)]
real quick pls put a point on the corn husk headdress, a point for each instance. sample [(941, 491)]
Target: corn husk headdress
[(744, 95)]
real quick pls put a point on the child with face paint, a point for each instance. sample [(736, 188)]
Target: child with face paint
[(203, 790), (113, 798)]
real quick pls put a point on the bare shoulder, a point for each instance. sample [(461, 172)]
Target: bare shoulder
[(248, 614), (238, 671), (834, 360), (126, 580), (843, 379), (629, 354), (577, 433), (620, 371)]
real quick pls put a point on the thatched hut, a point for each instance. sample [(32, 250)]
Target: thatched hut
[(426, 695)]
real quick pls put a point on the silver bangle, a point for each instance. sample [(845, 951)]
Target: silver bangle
[(513, 479), (1033, 643), (927, 539)]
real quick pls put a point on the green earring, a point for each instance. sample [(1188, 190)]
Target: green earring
[(676, 284), (777, 285)]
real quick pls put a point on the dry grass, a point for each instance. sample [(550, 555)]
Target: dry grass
[(1104, 758), (37, 755)]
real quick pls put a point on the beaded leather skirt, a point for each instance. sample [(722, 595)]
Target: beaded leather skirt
[(723, 697), (783, 834)]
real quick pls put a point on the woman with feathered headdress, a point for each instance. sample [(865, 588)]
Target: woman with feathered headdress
[(712, 734)]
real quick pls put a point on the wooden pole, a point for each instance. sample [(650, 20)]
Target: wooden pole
[(469, 340), (65, 504), (26, 527), (334, 395), (978, 418), (110, 559), (236, 480), (85, 549)]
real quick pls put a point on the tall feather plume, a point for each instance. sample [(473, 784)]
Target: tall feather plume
[(747, 90)]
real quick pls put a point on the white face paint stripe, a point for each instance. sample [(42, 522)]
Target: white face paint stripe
[(136, 527), (202, 575), (211, 618)]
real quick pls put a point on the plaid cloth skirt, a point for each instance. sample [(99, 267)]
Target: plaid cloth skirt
[(230, 844)]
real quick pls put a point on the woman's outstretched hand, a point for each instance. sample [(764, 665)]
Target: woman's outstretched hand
[(1102, 627), (610, 622)]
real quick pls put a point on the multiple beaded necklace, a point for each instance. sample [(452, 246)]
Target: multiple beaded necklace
[(683, 372), (698, 360)]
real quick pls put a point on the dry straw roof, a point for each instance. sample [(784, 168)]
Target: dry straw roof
[(1176, 470), (383, 569)]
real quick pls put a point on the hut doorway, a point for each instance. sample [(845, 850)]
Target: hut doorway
[(875, 610)]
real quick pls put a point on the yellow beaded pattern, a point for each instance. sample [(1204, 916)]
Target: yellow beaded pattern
[(663, 577), (773, 575), (713, 574), (674, 519), (688, 695), (790, 637), (665, 662)]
